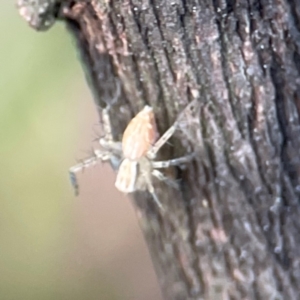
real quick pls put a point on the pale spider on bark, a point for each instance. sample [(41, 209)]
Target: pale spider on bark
[(137, 151)]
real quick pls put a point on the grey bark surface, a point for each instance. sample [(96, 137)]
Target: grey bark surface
[(231, 230)]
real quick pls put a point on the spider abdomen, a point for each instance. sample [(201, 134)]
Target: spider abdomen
[(140, 134)]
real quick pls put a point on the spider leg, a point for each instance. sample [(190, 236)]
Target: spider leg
[(156, 200), (106, 124), (107, 141), (110, 145), (154, 196), (173, 162), (112, 150), (151, 154), (160, 176), (105, 119), (98, 155), (163, 139)]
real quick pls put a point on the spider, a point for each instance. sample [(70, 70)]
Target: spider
[(137, 152)]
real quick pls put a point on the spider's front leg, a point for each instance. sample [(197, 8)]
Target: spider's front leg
[(152, 152), (111, 151), (107, 142), (93, 160)]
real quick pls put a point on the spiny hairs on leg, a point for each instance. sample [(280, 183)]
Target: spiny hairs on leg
[(98, 155)]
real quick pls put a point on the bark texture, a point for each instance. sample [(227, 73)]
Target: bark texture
[(232, 229)]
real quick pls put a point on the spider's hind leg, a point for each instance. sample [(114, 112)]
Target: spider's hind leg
[(160, 176), (154, 196)]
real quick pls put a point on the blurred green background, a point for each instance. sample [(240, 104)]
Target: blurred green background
[(53, 245)]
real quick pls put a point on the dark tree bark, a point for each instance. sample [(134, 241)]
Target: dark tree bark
[(232, 230)]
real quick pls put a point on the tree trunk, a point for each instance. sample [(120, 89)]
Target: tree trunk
[(231, 231)]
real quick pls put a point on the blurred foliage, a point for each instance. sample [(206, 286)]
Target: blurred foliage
[(38, 82)]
